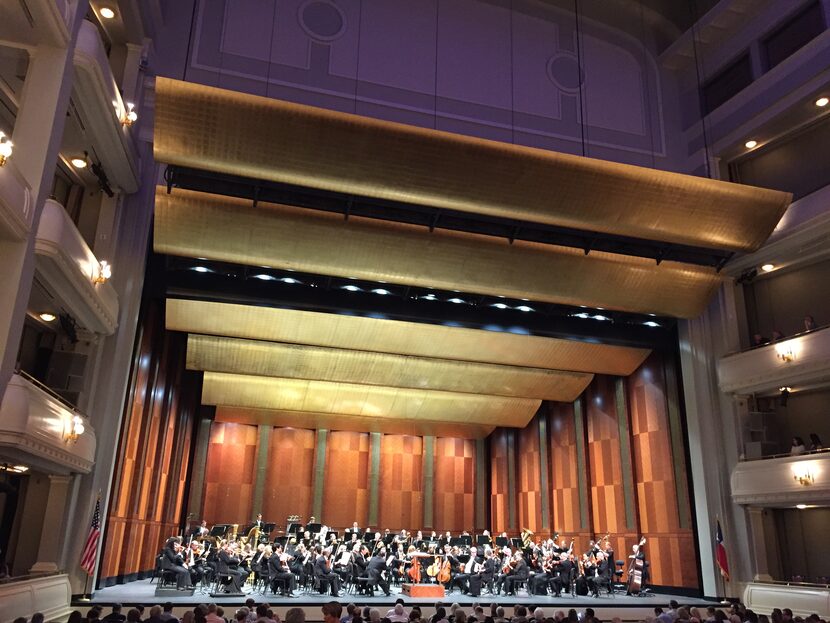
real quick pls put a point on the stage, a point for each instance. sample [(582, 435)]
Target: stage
[(628, 608)]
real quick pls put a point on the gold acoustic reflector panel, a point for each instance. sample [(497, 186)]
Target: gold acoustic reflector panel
[(400, 337), (194, 224), (297, 361), (260, 392), (228, 132), (304, 419)]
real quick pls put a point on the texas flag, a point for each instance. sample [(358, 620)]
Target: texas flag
[(720, 554)]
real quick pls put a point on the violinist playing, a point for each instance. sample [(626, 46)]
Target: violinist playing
[(172, 560)]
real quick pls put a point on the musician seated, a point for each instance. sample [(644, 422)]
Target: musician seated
[(323, 572), (196, 562), (517, 575), (228, 569), (278, 572), (462, 578), (562, 574), (172, 560), (602, 576), (375, 569)]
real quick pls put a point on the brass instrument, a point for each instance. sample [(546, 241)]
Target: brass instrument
[(527, 537), (253, 535)]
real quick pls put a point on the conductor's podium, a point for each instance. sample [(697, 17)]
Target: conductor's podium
[(424, 590)]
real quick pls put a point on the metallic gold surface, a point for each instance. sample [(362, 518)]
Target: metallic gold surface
[(399, 337), (260, 392), (255, 357), (195, 224), (303, 419), (230, 132)]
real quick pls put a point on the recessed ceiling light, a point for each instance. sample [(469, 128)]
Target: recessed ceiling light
[(785, 389), (265, 277), (524, 308), (768, 267), (429, 297), (78, 163), (651, 323), (289, 280), (454, 300), (750, 144), (801, 507), (601, 317), (582, 315), (381, 291), (107, 13), (499, 305), (201, 269), (822, 102), (47, 317), (351, 288)]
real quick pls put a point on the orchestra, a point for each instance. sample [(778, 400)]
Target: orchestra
[(325, 560)]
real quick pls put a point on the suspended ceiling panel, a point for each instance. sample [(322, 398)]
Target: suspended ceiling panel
[(254, 357), (358, 424), (195, 224), (399, 337), (228, 132), (260, 392)]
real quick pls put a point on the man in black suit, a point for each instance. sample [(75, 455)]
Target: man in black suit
[(374, 571), (227, 566), (323, 572), (519, 574), (488, 572), (602, 578), (562, 575), (278, 572), (173, 561)]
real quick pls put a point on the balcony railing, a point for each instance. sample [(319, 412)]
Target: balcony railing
[(16, 208), (802, 599), (803, 359), (784, 481)]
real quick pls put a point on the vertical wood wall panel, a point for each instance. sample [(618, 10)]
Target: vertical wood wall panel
[(230, 472), (670, 547), (401, 490), (346, 488), (289, 475), (154, 449), (454, 484), (499, 499), (529, 481), (564, 474)]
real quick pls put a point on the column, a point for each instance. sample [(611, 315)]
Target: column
[(374, 478), (319, 473), (621, 407), (261, 467), (758, 540), (52, 537), (544, 468), (481, 493), (429, 480)]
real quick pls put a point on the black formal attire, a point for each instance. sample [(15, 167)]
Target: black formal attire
[(278, 572), (324, 574), (486, 576), (374, 571), (114, 617), (561, 580), (519, 574), (538, 582), (602, 578), (463, 578), (174, 563), (227, 566)]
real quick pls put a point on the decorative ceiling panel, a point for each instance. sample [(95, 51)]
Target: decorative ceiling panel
[(304, 419), (195, 224), (262, 138), (400, 337), (260, 392), (255, 357)]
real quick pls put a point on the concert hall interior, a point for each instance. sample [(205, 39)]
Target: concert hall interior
[(543, 277)]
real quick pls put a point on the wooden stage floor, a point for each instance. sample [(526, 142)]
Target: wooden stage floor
[(607, 606)]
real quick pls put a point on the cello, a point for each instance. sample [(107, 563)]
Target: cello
[(445, 573), (414, 571)]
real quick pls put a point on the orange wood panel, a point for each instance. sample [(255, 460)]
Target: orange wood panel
[(453, 498), (290, 474), (400, 491), (230, 471), (346, 483), (564, 474), (528, 478), (670, 549), (499, 498)]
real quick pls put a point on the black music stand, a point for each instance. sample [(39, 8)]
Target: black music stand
[(295, 528), (314, 528), (502, 541), (516, 543), (220, 530), (458, 541), (483, 539)]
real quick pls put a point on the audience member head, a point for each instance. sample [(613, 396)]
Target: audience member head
[(75, 617), (242, 614), (539, 614), (37, 617), (155, 612), (374, 615), (187, 617), (460, 616), (331, 612), (295, 615), (134, 616)]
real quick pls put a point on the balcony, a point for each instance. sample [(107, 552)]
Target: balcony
[(30, 24), (16, 208), (36, 430), (803, 600), (800, 361), (69, 269), (100, 107), (50, 595), (783, 481)]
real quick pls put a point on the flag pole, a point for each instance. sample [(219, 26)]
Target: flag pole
[(724, 599)]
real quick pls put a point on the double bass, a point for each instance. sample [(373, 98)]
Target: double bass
[(635, 570)]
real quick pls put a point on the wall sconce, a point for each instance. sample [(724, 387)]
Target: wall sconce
[(785, 351), (5, 148), (803, 476), (104, 273), (73, 428), (130, 116)]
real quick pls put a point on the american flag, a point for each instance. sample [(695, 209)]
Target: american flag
[(720, 554), (91, 547)]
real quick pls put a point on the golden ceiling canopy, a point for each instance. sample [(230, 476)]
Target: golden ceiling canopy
[(195, 224), (300, 361), (234, 133), (350, 399), (400, 337)]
